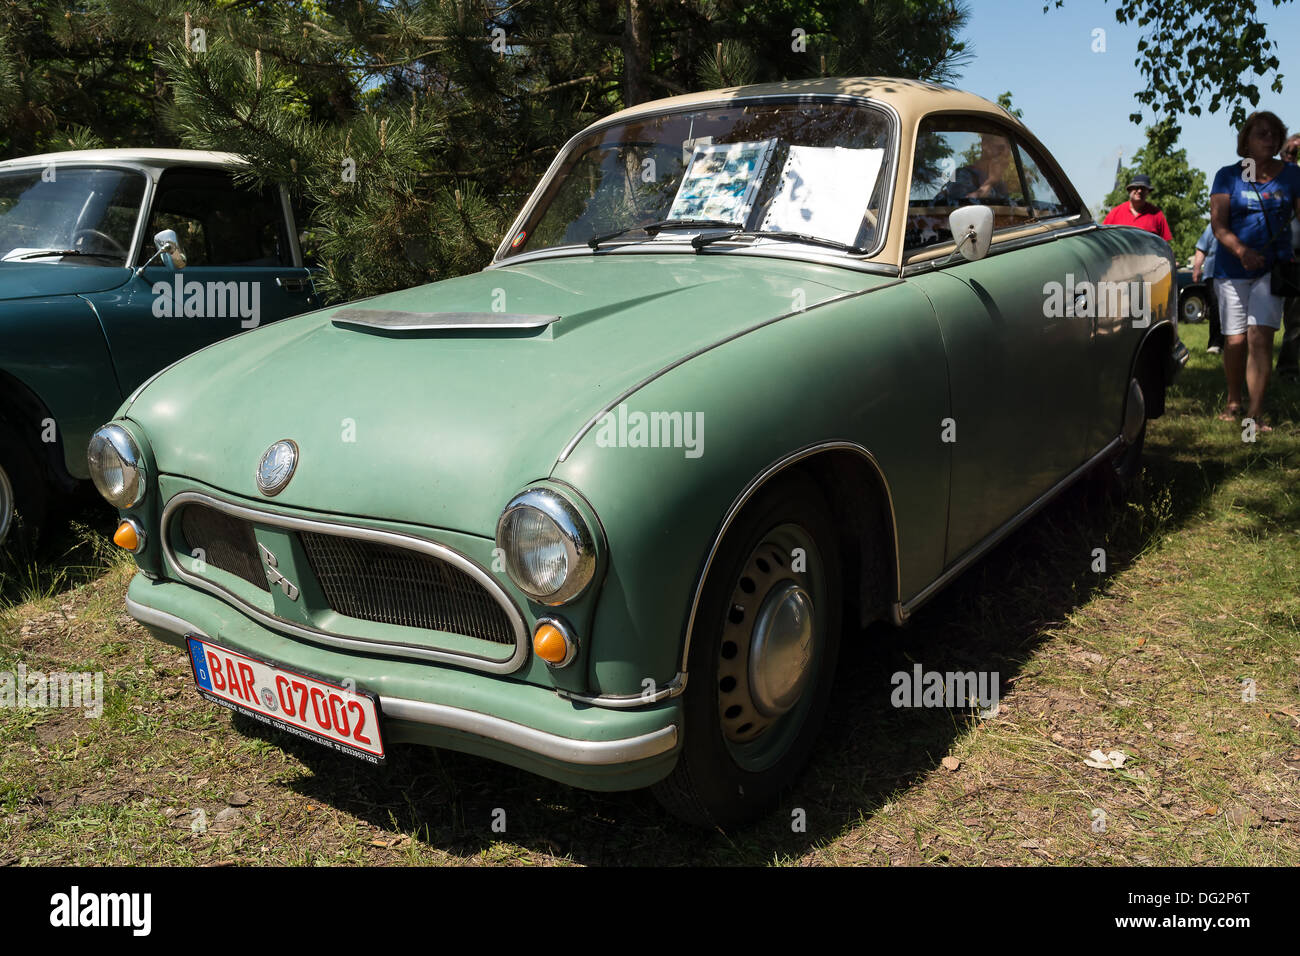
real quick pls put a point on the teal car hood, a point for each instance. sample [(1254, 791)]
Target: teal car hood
[(441, 428), (26, 280)]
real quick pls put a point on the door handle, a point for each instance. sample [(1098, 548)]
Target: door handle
[(289, 284)]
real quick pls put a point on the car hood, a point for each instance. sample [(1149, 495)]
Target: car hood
[(27, 280), (442, 427)]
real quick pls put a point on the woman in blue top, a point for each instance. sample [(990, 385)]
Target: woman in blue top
[(1251, 204)]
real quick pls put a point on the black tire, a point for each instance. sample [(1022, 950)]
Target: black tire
[(23, 495), (1117, 475), (736, 760), (1193, 306)]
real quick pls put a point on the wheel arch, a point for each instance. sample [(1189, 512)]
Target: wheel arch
[(842, 469), (1152, 367), (23, 410)]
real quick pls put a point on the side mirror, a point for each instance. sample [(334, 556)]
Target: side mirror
[(972, 227), (168, 245)]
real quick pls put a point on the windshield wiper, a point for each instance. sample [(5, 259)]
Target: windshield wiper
[(699, 242), (652, 229), (62, 252)]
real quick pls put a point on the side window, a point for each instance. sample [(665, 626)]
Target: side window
[(1044, 192), (962, 161), (218, 223)]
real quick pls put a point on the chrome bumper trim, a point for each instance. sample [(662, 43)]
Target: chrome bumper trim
[(628, 701), (566, 749), (492, 665)]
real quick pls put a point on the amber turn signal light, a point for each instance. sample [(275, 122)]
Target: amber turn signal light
[(553, 644), (127, 536)]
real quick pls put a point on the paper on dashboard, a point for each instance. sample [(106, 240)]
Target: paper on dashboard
[(824, 191)]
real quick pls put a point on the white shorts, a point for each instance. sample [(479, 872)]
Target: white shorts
[(1244, 302)]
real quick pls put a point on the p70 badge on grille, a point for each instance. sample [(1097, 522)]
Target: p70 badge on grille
[(275, 577)]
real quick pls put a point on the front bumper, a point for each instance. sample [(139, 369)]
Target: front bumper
[(515, 723)]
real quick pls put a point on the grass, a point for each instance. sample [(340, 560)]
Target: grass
[(1201, 591)]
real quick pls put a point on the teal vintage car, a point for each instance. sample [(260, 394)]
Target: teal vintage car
[(90, 306), (752, 367)]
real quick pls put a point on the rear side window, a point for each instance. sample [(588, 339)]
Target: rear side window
[(1045, 194), (219, 223), (963, 161)]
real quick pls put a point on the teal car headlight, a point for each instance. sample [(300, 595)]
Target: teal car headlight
[(550, 552), (116, 466)]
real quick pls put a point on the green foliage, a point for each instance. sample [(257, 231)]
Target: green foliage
[(1188, 52), (415, 128), (1175, 187)]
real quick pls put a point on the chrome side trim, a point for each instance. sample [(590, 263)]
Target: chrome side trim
[(627, 701), (902, 610), (567, 749), (995, 248), (754, 485), (626, 393), (441, 552)]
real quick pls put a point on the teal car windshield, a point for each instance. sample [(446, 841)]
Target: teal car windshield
[(818, 169), (51, 212)]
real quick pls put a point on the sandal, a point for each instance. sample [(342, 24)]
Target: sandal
[(1230, 414)]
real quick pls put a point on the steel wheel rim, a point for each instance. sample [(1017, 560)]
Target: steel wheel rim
[(756, 740), (6, 505)]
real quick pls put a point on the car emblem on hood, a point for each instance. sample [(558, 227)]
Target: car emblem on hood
[(276, 467)]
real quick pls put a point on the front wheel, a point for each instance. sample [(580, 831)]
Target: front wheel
[(762, 659)]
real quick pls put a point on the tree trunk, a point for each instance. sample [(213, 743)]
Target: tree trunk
[(636, 52)]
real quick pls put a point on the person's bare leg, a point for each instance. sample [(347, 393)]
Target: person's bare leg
[(1234, 367), (1259, 364)]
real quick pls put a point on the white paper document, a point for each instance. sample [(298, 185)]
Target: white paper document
[(824, 191)]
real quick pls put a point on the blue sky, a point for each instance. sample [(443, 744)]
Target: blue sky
[(1077, 101)]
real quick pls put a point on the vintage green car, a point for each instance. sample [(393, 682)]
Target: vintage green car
[(728, 389), (89, 308)]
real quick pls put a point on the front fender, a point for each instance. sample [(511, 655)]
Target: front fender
[(867, 369)]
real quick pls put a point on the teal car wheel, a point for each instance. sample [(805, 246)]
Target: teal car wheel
[(762, 659), (22, 494)]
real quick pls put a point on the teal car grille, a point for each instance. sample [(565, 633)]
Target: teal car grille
[(223, 541), (390, 585)]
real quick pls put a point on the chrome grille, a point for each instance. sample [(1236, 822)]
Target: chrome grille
[(227, 543), (391, 585)]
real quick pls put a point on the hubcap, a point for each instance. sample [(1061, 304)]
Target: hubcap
[(781, 649), (771, 643), (1193, 310), (6, 505)]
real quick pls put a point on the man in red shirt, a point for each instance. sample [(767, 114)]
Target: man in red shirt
[(1138, 212)]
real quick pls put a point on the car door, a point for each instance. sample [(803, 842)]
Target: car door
[(243, 270), (1020, 370)]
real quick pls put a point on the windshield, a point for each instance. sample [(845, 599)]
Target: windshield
[(817, 169), (78, 211)]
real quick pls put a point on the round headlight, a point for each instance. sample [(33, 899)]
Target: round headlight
[(549, 549), (115, 466)]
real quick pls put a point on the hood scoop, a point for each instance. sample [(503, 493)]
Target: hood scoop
[(392, 320)]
